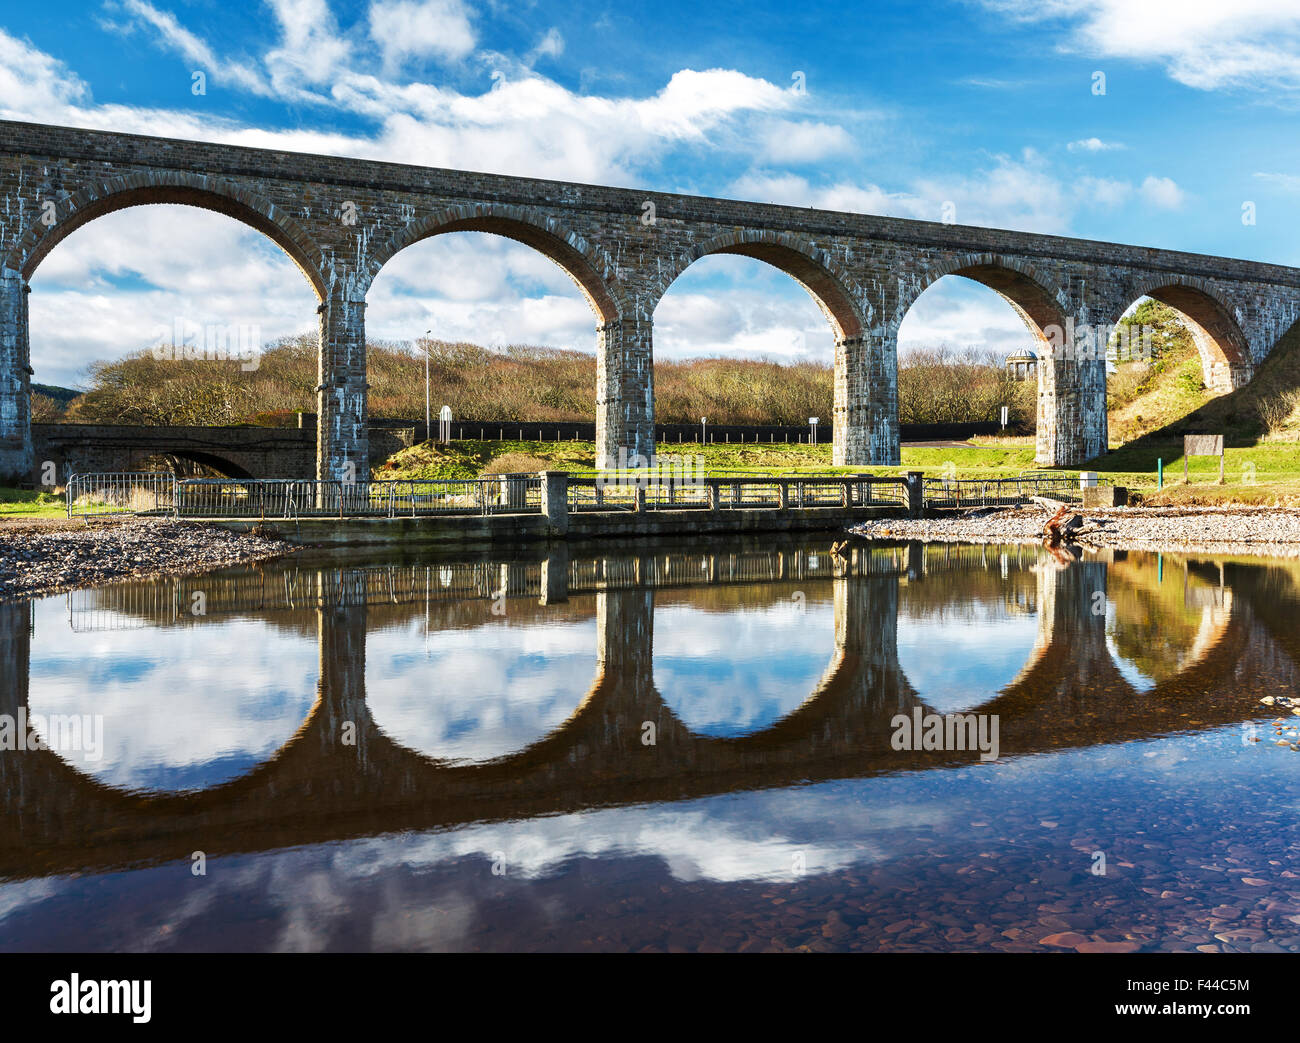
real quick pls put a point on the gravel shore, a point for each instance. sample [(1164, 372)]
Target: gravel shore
[(39, 558), (1230, 530)]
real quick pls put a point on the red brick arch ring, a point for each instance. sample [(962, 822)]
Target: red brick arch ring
[(142, 189)]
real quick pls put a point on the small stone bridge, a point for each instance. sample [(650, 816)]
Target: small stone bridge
[(341, 220), (235, 452)]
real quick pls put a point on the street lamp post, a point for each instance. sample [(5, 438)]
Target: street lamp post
[(428, 419)]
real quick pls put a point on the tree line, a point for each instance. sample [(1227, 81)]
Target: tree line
[(522, 383)]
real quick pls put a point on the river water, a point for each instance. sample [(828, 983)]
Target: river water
[(678, 747)]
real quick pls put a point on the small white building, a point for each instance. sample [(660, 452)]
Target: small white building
[(1023, 365)]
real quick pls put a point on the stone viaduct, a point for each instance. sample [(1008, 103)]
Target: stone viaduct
[(342, 220)]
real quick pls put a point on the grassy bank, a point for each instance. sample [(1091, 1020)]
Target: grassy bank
[(24, 503), (469, 458)]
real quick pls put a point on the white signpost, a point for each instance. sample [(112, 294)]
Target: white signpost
[(444, 424)]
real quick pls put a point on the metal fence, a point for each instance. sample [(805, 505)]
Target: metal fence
[(286, 587), (1000, 492), (160, 493), (754, 492), (312, 498), (102, 495), (289, 498)]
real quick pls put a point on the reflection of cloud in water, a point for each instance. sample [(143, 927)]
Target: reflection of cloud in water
[(184, 707), (957, 663), (739, 672), (1149, 650), (1126, 667), (434, 890), (478, 694), (318, 890)]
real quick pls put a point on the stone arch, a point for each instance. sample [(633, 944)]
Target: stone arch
[(226, 466), (152, 187), (585, 263), (833, 290), (1225, 353), (1039, 302)]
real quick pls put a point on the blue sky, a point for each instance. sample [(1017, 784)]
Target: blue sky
[(990, 106)]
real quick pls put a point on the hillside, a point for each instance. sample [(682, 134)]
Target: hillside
[(522, 382)]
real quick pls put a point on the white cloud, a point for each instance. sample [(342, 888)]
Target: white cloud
[(1094, 145), (796, 190), (551, 45), (31, 80), (785, 141), (1286, 182), (112, 283), (176, 37), (1011, 193), (1205, 44), (961, 314), (405, 29), (1162, 192), (1104, 191), (1024, 194), (311, 50)]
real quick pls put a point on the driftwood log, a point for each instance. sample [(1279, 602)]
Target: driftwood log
[(1062, 524)]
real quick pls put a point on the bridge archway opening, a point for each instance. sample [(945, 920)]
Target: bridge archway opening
[(259, 218), (192, 464), (972, 341), (1161, 619), (796, 260), (567, 252), (728, 672), (462, 696), (201, 701), (982, 606), (723, 327), (165, 307), (1151, 324), (510, 321)]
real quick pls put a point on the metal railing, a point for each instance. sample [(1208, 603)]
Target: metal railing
[(1000, 492), (291, 588), (755, 492), (124, 493), (313, 498), (162, 493)]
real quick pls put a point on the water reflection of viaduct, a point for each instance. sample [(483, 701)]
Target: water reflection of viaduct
[(318, 788)]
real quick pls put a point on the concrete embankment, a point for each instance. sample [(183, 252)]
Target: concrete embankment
[(490, 530)]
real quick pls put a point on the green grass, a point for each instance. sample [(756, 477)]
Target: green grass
[(470, 458), (26, 503), (1265, 473)]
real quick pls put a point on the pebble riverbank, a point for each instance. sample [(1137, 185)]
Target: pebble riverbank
[(38, 559), (1230, 530)]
